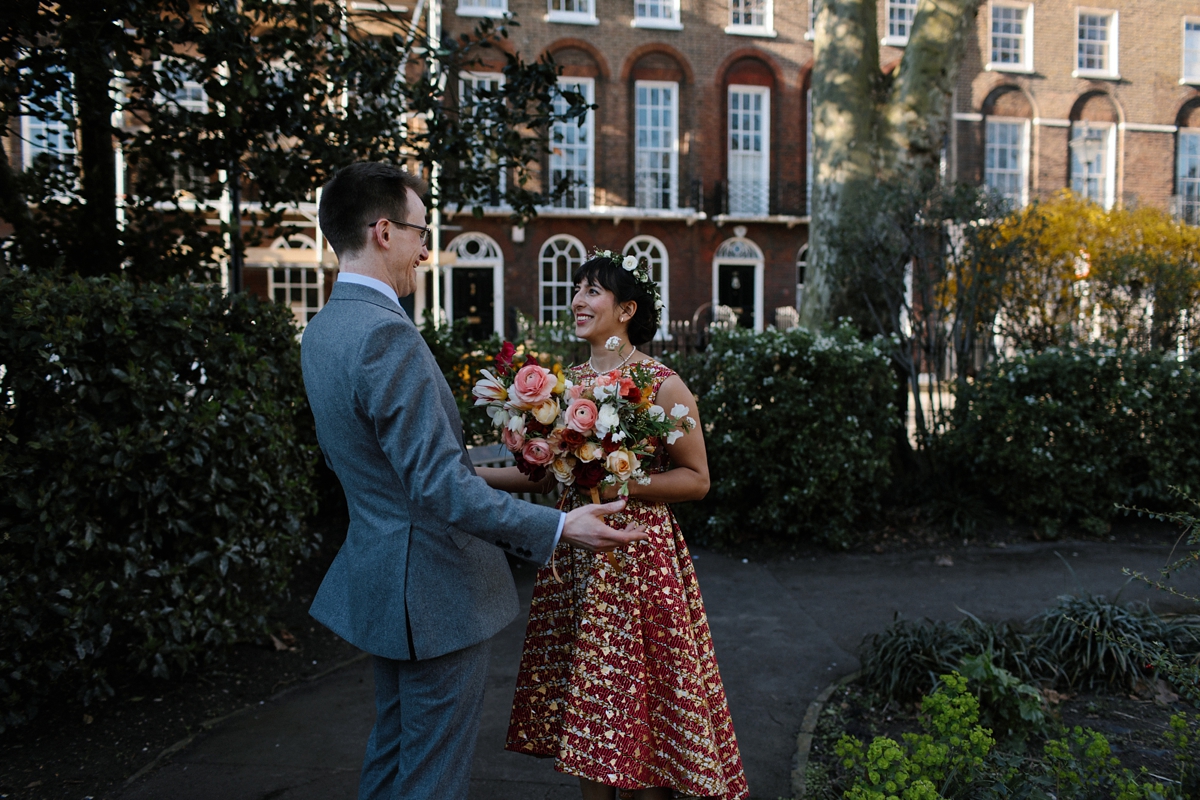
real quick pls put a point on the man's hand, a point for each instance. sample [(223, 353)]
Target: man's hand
[(584, 528)]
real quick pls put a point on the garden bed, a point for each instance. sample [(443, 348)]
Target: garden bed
[(72, 752), (1133, 724)]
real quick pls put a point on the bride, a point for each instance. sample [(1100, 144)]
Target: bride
[(618, 680)]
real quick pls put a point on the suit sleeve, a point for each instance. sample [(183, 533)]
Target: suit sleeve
[(399, 387)]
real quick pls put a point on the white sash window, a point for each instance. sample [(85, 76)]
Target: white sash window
[(560, 257), (656, 112), (572, 149), (1188, 176), (749, 149), (1006, 159)]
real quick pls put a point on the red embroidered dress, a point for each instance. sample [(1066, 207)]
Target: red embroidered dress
[(618, 680)]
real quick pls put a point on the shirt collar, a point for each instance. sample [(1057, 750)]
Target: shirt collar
[(372, 283)]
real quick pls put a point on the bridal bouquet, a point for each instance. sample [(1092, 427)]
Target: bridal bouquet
[(587, 436)]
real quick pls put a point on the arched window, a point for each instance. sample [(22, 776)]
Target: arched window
[(560, 257), (294, 282), (475, 284), (655, 252), (737, 279)]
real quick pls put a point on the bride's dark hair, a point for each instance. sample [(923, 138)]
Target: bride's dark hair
[(608, 273)]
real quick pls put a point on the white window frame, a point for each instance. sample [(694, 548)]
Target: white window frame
[(587, 16), (1194, 76), (1026, 63), (754, 259), (498, 77), (811, 33), (1181, 180), (587, 87), (193, 106), (765, 168), (492, 258), (767, 28), (493, 9), (1026, 129), (668, 19), (560, 243), (891, 38), (801, 263), (1110, 162), (33, 126), (1111, 69), (671, 151), (297, 241), (660, 273)]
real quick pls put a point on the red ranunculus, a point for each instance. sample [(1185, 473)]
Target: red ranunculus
[(571, 438), (609, 445), (533, 426), (504, 358), (589, 473)]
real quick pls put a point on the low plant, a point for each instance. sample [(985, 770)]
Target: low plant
[(1014, 710), (956, 757)]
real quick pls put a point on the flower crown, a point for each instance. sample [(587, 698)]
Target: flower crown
[(639, 269)]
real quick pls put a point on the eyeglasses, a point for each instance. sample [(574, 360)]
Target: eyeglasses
[(424, 229)]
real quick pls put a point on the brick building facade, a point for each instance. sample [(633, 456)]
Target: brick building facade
[(697, 153)]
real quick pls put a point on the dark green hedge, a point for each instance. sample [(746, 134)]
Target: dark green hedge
[(800, 429), (157, 457), (1058, 437)]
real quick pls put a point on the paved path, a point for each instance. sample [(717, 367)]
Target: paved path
[(783, 631)]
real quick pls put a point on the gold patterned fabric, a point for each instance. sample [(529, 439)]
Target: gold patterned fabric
[(618, 680)]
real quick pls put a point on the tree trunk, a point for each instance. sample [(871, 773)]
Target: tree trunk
[(90, 60), (869, 127)]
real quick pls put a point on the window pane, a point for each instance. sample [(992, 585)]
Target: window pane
[(748, 153), (1008, 35), (571, 149), (1191, 50), (1093, 41), (900, 17), (655, 152), (1004, 160), (1189, 177), (559, 258), (1090, 179)]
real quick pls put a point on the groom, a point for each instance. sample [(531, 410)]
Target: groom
[(421, 582)]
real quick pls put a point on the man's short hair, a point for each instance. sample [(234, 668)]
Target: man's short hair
[(361, 194)]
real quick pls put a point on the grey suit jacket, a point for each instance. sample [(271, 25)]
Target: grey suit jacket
[(422, 572)]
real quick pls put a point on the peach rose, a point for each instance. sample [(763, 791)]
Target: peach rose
[(532, 385), (589, 451), (513, 440), (581, 415), (537, 452), (546, 411), (621, 464), (563, 469)]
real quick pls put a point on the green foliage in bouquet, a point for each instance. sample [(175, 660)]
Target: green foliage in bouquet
[(460, 358), (157, 455), (799, 430), (1059, 437)]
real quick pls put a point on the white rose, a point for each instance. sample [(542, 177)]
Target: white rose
[(606, 420), (562, 468), (679, 410), (630, 263)]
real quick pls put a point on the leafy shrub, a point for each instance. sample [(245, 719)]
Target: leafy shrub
[(956, 757), (1012, 709), (157, 453), (1062, 436), (799, 430), (460, 358)]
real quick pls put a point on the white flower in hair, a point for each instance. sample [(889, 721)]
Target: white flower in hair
[(658, 304), (630, 263)]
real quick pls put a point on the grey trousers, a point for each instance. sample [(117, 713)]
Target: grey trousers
[(427, 720)]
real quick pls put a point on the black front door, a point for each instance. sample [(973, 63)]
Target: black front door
[(472, 300), (735, 288)]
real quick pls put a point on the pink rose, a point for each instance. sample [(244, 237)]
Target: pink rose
[(513, 440), (581, 415), (532, 385), (538, 452)]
